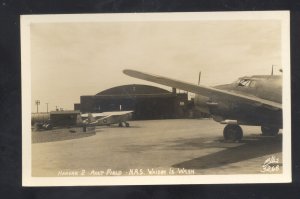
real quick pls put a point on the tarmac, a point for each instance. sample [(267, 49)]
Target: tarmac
[(155, 147)]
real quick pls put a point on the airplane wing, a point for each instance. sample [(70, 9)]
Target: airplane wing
[(116, 113), (105, 114), (203, 90), (93, 114)]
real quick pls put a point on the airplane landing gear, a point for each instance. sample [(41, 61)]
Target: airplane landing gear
[(125, 123), (269, 131), (233, 132)]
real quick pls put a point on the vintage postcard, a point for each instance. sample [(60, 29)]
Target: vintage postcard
[(156, 98)]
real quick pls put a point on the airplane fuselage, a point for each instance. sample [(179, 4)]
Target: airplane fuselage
[(255, 100), (107, 118), (263, 87)]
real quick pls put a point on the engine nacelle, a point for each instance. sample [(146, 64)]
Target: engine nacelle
[(201, 104)]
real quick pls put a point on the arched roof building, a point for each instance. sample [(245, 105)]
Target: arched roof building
[(133, 89), (147, 102)]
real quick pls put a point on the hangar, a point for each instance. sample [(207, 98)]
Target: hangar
[(147, 102)]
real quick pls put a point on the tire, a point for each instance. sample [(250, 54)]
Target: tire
[(269, 131), (232, 132), (48, 127)]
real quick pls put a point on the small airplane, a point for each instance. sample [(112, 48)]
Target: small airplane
[(255, 100), (107, 118)]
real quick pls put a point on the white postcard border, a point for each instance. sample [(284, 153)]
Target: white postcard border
[(28, 180)]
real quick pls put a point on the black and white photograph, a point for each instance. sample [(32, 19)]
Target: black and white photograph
[(156, 98)]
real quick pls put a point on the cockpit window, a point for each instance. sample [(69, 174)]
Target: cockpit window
[(243, 82), (246, 83)]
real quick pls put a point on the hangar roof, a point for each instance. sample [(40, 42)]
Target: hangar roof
[(133, 89)]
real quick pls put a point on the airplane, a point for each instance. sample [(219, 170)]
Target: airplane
[(107, 118), (254, 100)]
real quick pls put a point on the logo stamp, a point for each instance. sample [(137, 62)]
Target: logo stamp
[(271, 165)]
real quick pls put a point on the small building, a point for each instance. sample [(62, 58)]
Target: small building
[(64, 118), (147, 102)]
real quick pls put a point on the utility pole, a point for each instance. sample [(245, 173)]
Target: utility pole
[(37, 103), (47, 106)]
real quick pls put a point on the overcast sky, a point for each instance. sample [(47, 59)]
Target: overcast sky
[(73, 59)]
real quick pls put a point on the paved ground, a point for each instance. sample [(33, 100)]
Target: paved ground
[(157, 146)]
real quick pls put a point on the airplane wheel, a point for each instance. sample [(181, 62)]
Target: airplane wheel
[(269, 131), (120, 124), (233, 132), (127, 124), (48, 127)]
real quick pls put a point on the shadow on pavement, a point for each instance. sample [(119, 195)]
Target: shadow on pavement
[(252, 146)]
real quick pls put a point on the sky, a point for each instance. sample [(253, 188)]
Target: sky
[(73, 59)]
